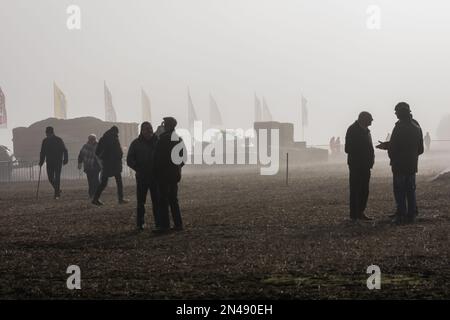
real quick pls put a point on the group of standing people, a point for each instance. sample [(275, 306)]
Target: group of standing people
[(404, 147), (335, 145), (149, 155)]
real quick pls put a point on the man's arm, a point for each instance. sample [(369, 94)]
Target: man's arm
[(131, 156), (349, 141), (65, 153), (421, 149)]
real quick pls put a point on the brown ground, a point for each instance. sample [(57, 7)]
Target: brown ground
[(247, 236)]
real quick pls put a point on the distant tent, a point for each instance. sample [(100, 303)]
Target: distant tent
[(146, 107), (214, 112), (60, 103), (110, 113), (267, 116), (3, 116), (258, 111), (192, 116)]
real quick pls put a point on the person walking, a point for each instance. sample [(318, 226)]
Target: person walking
[(110, 153), (91, 166), (360, 160), (140, 158), (54, 153)]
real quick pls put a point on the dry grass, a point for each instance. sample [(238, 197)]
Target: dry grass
[(247, 236)]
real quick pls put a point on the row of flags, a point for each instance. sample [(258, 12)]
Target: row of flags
[(262, 111)]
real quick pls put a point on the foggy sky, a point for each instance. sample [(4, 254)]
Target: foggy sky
[(231, 49)]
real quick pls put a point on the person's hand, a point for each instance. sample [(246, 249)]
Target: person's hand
[(65, 161), (79, 166), (382, 145)]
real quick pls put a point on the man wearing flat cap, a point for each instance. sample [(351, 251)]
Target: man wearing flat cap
[(404, 148), (170, 157), (360, 160)]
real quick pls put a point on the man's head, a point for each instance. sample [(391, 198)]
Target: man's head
[(92, 138), (365, 119), (146, 130), (169, 123), (49, 131), (115, 130), (402, 110)]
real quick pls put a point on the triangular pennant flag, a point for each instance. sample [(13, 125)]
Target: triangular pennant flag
[(3, 116), (60, 103), (192, 116), (267, 116), (110, 113), (214, 112), (304, 112), (146, 107), (258, 111)]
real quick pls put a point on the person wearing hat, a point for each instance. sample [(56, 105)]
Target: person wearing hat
[(168, 174), (110, 154), (360, 160), (404, 148), (90, 163), (54, 153)]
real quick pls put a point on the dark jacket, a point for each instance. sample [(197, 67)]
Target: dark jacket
[(141, 156), (359, 147), (110, 153), (165, 170), (405, 146), (53, 151)]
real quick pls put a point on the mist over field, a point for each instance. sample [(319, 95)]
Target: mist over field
[(322, 50)]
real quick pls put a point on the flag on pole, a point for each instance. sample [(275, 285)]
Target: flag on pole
[(304, 112), (146, 107), (192, 116), (258, 111), (3, 117), (60, 103), (214, 112), (267, 116), (110, 113)]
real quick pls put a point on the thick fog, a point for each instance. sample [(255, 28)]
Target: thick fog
[(321, 49)]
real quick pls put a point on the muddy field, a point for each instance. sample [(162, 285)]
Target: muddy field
[(246, 236)]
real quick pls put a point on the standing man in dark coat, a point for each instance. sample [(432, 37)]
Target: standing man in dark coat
[(140, 158), (361, 157), (54, 152), (404, 148), (110, 153), (169, 159), (90, 163)]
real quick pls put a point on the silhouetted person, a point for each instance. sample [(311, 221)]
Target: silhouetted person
[(337, 145), (427, 141), (54, 153), (168, 174), (332, 145), (110, 153), (140, 158), (90, 163), (404, 148), (360, 160)]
